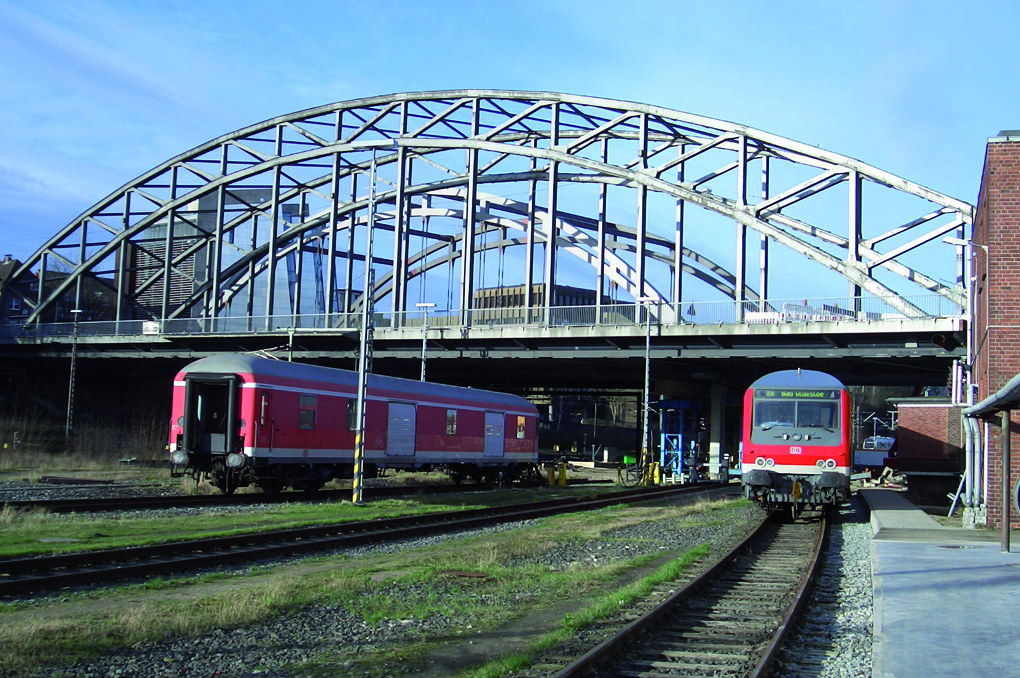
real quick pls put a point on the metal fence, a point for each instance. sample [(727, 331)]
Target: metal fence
[(771, 312)]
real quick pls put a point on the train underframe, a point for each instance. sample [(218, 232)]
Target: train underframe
[(230, 472), (794, 493)]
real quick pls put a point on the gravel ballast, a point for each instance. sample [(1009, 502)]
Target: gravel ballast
[(834, 636), (840, 613), (278, 646)]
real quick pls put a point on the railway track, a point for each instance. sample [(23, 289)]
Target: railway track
[(188, 501), (29, 575), (729, 621)]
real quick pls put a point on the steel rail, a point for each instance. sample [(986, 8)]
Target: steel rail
[(188, 501), (594, 662), (27, 575)]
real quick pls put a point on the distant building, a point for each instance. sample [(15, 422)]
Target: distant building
[(506, 305), (16, 292)]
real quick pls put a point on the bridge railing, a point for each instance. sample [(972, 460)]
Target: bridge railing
[(772, 312)]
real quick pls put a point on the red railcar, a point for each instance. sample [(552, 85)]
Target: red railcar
[(243, 419), (796, 440)]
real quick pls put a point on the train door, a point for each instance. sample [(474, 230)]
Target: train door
[(264, 421), (493, 434), (210, 413), (400, 429)]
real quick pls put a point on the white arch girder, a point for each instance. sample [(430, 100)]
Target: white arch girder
[(504, 127)]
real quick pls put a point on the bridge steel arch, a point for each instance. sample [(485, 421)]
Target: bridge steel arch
[(271, 219)]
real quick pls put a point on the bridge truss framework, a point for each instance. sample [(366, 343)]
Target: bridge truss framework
[(470, 190)]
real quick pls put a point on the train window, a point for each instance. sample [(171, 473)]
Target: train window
[(264, 411), (352, 415), (520, 428), (818, 415), (451, 422), (772, 413), (306, 411)]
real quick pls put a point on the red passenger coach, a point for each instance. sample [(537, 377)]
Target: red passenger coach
[(796, 440), (242, 419)]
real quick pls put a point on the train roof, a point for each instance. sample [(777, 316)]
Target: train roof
[(800, 379), (238, 363)]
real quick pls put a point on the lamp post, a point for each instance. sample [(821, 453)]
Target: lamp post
[(645, 447), (70, 385), (424, 333)]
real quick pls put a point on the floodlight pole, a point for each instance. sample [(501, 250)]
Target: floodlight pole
[(69, 424), (424, 333)]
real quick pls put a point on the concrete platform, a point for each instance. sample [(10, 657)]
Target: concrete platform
[(947, 600)]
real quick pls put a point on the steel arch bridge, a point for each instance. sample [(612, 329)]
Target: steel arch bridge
[(477, 199)]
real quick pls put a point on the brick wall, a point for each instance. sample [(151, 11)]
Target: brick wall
[(997, 317), (929, 436)]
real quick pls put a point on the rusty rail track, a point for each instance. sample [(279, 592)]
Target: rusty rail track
[(29, 575), (729, 621), (186, 501)]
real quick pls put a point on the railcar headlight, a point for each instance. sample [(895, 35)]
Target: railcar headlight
[(234, 460), (179, 457), (830, 463), (820, 463), (770, 463), (760, 461), (807, 436)]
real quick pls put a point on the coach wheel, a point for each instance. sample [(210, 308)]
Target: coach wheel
[(271, 485), (222, 481), (457, 477)]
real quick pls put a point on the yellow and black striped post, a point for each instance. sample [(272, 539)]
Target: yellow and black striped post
[(359, 455)]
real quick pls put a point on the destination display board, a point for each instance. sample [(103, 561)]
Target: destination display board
[(796, 394)]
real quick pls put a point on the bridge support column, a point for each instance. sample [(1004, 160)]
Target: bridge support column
[(717, 428)]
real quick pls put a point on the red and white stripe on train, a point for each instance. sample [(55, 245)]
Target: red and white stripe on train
[(242, 419), (796, 440)]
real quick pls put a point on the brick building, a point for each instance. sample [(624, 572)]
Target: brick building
[(996, 332), (929, 435)]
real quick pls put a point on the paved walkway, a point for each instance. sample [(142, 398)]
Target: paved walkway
[(947, 600)]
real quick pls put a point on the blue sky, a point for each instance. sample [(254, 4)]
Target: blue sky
[(93, 93)]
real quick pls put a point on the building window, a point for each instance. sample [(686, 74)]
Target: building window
[(451, 422), (15, 304), (306, 412)]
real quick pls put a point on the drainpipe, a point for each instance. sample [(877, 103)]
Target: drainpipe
[(970, 427)]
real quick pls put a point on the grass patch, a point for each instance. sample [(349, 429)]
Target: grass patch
[(411, 584), (23, 529)]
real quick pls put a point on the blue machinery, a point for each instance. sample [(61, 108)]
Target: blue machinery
[(678, 424)]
